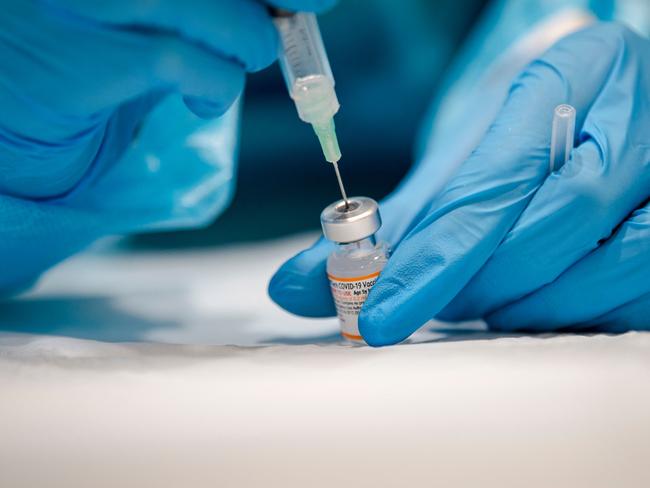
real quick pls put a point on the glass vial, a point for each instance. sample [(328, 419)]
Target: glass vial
[(354, 266)]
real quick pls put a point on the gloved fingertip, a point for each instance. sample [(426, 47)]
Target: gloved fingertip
[(262, 54), (204, 108), (376, 328), (299, 295), (300, 286)]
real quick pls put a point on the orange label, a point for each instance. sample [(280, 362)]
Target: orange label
[(349, 296)]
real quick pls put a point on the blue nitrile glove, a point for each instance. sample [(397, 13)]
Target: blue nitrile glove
[(78, 84), (512, 243)]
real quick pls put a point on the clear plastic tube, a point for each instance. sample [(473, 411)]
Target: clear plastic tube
[(562, 135), (308, 76)]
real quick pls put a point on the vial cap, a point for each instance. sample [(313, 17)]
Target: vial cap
[(358, 221)]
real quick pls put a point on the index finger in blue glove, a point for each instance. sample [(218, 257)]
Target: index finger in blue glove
[(58, 97), (98, 64), (239, 30), (481, 203)]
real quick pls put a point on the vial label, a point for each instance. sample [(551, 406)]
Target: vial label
[(349, 295)]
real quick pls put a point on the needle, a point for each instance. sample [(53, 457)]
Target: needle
[(338, 177)]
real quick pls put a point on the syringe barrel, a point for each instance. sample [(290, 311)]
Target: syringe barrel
[(305, 66)]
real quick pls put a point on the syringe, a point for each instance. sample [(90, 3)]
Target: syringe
[(309, 79)]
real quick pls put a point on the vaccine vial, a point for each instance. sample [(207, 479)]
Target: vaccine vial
[(354, 266)]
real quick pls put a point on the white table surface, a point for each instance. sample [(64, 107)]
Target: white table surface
[(175, 369)]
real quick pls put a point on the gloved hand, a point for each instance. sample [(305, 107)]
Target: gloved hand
[(505, 240), (78, 80)]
